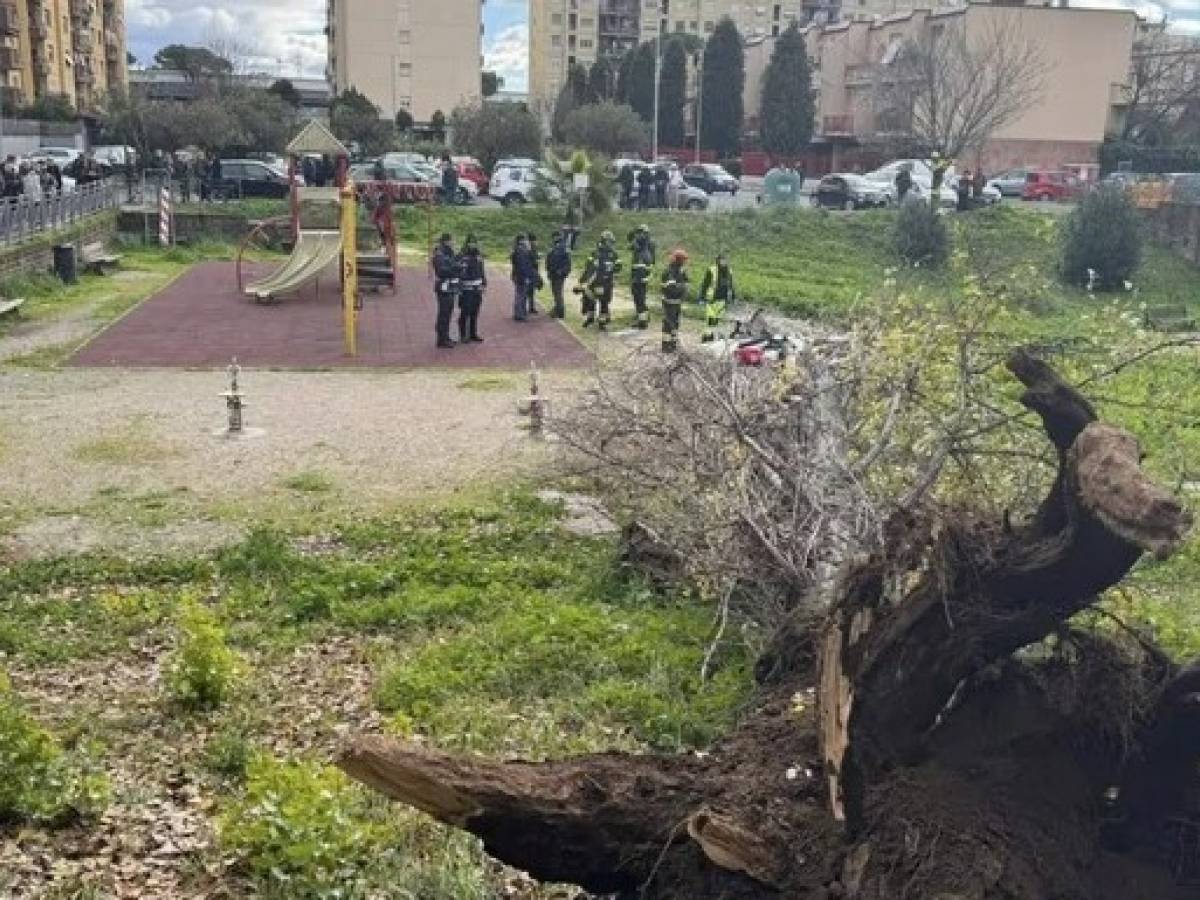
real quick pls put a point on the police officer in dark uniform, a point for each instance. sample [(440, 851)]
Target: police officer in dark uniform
[(558, 267), (674, 292), (641, 263), (474, 283), (596, 283), (447, 275)]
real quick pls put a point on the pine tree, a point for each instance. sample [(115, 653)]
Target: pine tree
[(672, 94), (723, 81), (600, 80), (577, 81), (640, 88), (787, 109), (625, 76)]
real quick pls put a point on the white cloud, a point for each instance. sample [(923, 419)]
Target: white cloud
[(507, 54)]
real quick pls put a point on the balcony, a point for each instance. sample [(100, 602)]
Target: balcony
[(38, 26), (42, 66), (82, 40), (84, 74), (837, 126), (81, 10), (10, 23), (112, 45), (10, 59)]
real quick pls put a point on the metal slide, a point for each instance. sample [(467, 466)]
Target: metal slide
[(314, 252)]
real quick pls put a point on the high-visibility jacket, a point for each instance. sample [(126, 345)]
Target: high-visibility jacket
[(719, 283)]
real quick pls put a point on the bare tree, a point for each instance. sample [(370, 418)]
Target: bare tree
[(951, 88), (1164, 84)]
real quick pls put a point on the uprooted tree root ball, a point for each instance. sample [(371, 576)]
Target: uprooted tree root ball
[(930, 726)]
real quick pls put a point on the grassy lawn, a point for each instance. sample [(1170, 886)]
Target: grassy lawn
[(214, 688)]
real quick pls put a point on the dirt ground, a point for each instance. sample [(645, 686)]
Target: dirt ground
[(136, 460)]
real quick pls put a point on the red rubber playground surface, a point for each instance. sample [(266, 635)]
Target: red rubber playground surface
[(201, 321)]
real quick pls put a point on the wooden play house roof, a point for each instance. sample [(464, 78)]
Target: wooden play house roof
[(316, 138)]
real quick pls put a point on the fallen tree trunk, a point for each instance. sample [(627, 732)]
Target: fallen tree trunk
[(841, 798)]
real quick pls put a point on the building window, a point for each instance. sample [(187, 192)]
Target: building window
[(585, 44), (679, 26), (708, 27), (556, 18), (587, 23), (774, 31), (403, 37), (556, 39), (776, 15), (695, 25)]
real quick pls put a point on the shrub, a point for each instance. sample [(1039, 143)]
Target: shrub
[(1102, 235), (202, 670), (733, 167), (41, 783), (920, 236), (606, 128)]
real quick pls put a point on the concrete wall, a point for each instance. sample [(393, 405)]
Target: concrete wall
[(36, 257)]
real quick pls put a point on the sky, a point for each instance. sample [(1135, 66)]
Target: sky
[(287, 36)]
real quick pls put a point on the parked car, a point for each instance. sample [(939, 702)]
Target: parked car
[(470, 170), (63, 156), (1010, 183), (710, 178), (843, 190), (400, 157), (685, 196), (394, 172), (252, 178), (1043, 185), (115, 155), (513, 183)]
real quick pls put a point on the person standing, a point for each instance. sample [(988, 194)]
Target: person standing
[(662, 179), (904, 182), (597, 282), (215, 188), (447, 275), (524, 271), (940, 165), (716, 293), (963, 189), (31, 183), (626, 179), (558, 267), (474, 283), (538, 283), (642, 260), (977, 186), (674, 292), (645, 181), (449, 181)]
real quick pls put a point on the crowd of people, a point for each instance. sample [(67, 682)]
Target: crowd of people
[(460, 279), (646, 187)]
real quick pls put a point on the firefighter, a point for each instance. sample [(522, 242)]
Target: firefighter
[(716, 293), (642, 254), (674, 293), (447, 273), (474, 283), (596, 283)]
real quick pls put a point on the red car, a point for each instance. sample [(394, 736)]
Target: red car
[(1049, 186), (473, 172)]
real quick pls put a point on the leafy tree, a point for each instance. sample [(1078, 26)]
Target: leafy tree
[(198, 62), (723, 80), (437, 125), (265, 120), (130, 59), (787, 110), (491, 83), (49, 108), (286, 91), (625, 76), (564, 105), (404, 120), (1102, 240), (577, 82), (639, 92), (492, 131), (606, 128), (355, 118), (672, 94), (601, 80)]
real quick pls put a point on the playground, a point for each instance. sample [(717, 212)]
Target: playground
[(201, 321)]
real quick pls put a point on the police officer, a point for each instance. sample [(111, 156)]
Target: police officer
[(596, 283), (674, 292), (447, 272), (558, 267), (642, 261), (474, 283), (716, 293)]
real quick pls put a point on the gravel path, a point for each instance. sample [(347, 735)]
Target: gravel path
[(128, 460)]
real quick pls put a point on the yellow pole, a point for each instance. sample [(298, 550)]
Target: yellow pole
[(350, 268)]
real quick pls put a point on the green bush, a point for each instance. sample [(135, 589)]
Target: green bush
[(920, 236), (202, 670), (40, 782), (733, 167), (1102, 235)]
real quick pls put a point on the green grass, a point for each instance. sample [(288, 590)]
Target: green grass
[(309, 482)]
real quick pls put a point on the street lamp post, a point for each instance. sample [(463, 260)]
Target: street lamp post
[(699, 100), (657, 84)]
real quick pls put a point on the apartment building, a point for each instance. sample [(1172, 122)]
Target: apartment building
[(564, 32), (70, 48), (417, 55)]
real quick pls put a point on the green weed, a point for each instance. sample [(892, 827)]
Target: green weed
[(202, 671), (309, 482)]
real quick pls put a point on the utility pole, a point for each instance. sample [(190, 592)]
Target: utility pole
[(657, 83), (699, 99)]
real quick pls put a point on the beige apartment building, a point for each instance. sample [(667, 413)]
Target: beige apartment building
[(563, 32), (1087, 55), (417, 55), (72, 48)]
